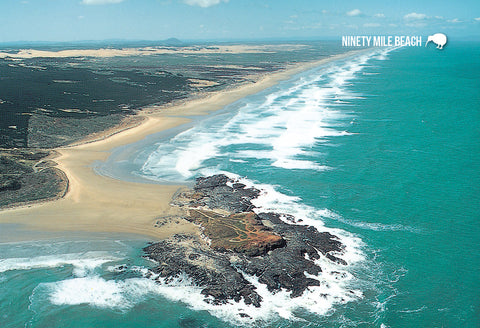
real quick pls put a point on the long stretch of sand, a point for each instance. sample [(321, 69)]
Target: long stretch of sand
[(147, 51), (97, 203)]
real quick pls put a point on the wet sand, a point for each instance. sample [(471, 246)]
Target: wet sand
[(96, 203)]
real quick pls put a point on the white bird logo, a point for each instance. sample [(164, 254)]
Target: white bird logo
[(439, 39)]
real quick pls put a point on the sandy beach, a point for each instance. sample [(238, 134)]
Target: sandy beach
[(97, 203)]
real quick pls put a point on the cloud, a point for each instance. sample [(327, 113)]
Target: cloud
[(371, 25), (379, 15), (415, 16), (100, 2), (203, 3), (455, 20), (416, 24), (477, 19), (354, 12)]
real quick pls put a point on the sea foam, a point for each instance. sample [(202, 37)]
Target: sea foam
[(82, 263), (280, 127)]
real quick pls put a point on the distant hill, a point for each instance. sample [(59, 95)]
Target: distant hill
[(172, 42)]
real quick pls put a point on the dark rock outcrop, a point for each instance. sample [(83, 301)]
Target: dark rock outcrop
[(219, 192), (241, 244), (208, 269)]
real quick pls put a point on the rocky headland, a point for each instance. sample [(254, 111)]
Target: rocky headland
[(239, 246)]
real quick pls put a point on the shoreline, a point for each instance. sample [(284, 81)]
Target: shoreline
[(95, 203)]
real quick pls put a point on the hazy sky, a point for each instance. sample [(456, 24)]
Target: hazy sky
[(72, 20)]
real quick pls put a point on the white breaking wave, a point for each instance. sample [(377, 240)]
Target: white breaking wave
[(374, 225), (95, 291), (280, 128), (124, 294), (83, 263)]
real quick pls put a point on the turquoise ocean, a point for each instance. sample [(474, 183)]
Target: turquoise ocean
[(382, 148)]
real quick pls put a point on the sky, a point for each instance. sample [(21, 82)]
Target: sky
[(232, 20)]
